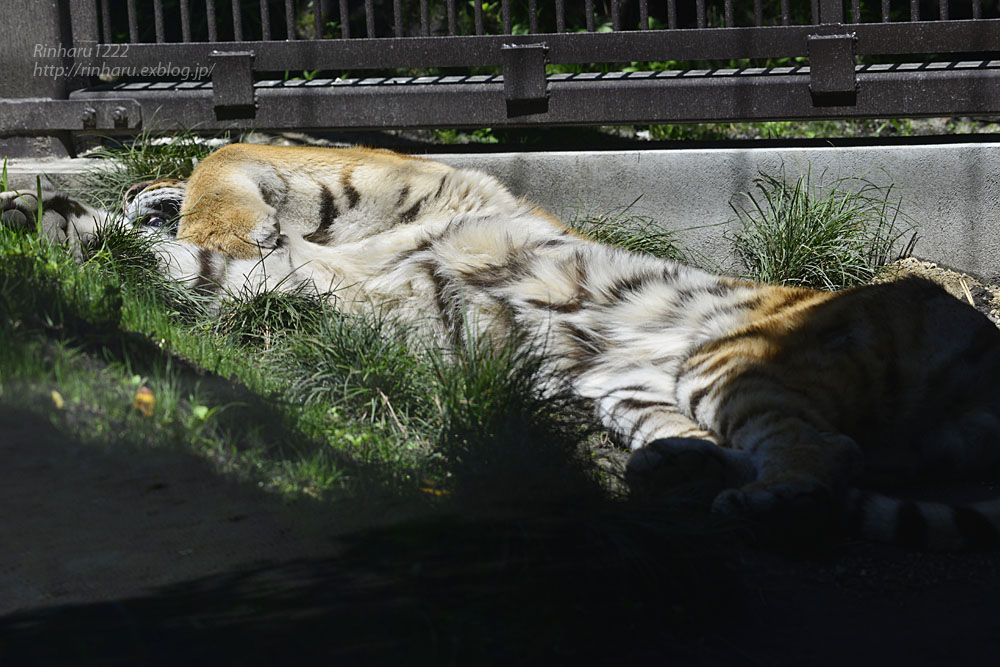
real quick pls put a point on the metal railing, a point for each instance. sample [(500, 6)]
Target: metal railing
[(472, 63)]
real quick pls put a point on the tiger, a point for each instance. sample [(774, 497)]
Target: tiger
[(781, 405)]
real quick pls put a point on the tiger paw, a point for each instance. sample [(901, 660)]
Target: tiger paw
[(684, 467), (20, 211), (787, 511)]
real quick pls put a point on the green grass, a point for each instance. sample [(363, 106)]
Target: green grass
[(825, 235)]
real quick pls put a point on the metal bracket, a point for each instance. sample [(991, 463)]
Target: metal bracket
[(832, 80), (232, 84), (524, 86)]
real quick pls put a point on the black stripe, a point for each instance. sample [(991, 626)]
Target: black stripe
[(64, 205), (327, 214), (451, 320), (349, 190), (975, 529), (403, 196), (410, 213), (911, 526), (205, 281), (638, 404)]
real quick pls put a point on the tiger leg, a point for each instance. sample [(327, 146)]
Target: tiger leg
[(228, 213), (802, 470), (672, 456)]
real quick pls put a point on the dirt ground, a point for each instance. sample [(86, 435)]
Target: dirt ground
[(153, 558)]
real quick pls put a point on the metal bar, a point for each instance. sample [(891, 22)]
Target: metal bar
[(505, 10), (213, 32), (667, 97), (643, 14), (588, 8), (289, 20), (478, 8), (317, 6), (237, 22), (186, 20), (265, 21), (452, 18), (855, 11), (158, 20), (616, 19), (397, 16), (561, 15), (533, 16), (832, 11), (730, 21), (370, 18), (699, 8), (133, 24), (786, 13), (815, 12), (885, 11), (345, 20), (425, 19), (672, 14), (938, 37), (977, 9), (106, 23), (943, 9), (914, 10), (758, 13)]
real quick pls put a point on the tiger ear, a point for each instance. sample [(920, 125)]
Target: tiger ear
[(134, 191)]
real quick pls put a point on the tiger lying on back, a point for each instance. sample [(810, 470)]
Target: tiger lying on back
[(776, 398)]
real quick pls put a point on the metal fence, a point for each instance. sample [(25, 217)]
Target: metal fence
[(368, 64)]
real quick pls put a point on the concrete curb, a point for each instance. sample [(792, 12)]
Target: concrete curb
[(950, 191)]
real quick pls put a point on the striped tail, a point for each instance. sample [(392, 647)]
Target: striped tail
[(925, 525)]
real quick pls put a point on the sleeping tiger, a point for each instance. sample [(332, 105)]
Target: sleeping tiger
[(775, 402)]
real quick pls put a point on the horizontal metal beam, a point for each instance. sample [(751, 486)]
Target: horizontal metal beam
[(706, 96), (22, 116), (939, 37)]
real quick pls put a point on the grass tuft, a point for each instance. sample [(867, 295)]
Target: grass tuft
[(820, 235), (634, 233)]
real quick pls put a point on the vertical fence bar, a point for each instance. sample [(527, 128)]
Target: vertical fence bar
[(397, 16), (671, 14), (237, 22), (133, 24), (105, 22), (855, 11), (699, 8), (505, 10), (758, 13), (533, 16), (815, 12), (370, 18), (616, 19), (786, 13), (478, 8), (588, 8), (289, 19), (345, 20), (425, 19), (885, 11), (213, 30), (158, 19), (452, 18), (317, 19), (943, 9), (560, 15), (914, 10), (643, 14), (265, 21), (730, 20), (185, 20), (977, 9)]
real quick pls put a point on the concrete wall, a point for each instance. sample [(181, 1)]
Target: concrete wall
[(951, 191)]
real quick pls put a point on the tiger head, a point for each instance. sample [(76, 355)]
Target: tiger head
[(154, 206)]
